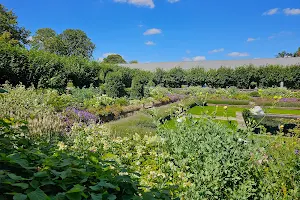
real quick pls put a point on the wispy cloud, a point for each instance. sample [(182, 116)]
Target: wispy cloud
[(252, 39), (216, 50), (280, 34), (153, 31), (272, 11), (139, 3), (188, 51), (238, 54), (291, 11), (196, 58), (149, 43), (173, 1)]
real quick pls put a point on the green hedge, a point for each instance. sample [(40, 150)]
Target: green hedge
[(46, 70), (228, 101)]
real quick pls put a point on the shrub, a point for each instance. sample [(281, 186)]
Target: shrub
[(114, 86), (215, 159), (31, 172), (254, 94)]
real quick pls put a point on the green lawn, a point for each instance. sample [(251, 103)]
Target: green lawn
[(282, 111), (231, 111), (171, 124), (140, 123)]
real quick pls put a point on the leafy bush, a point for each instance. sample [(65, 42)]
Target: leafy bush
[(36, 106), (31, 172), (216, 160), (114, 86)]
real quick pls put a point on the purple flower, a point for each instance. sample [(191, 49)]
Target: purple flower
[(289, 100), (297, 151)]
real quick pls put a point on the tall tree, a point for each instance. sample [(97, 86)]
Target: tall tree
[(114, 59), (284, 54), (76, 43), (9, 26), (297, 53), (46, 39)]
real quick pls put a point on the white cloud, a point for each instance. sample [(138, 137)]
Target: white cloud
[(196, 58), (216, 50), (140, 3), (292, 11), (149, 43), (152, 31), (173, 1), (29, 38), (272, 11), (252, 39), (188, 51), (199, 58), (238, 54)]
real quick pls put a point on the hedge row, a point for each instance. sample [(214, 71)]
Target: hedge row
[(243, 77), (46, 70)]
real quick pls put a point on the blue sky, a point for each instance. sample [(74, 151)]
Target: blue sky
[(172, 30)]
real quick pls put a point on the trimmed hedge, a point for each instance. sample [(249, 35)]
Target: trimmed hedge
[(228, 101)]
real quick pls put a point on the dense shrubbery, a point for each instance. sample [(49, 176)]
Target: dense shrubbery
[(46, 70), (39, 170)]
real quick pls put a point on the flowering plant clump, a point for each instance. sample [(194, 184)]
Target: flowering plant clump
[(72, 115)]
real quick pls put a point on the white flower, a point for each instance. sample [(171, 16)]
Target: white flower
[(179, 120)]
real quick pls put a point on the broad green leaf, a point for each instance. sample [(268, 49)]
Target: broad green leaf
[(60, 196), (21, 185), (38, 194), (96, 196), (76, 188), (35, 184), (112, 197), (16, 159), (41, 174), (102, 184), (15, 177), (47, 182), (74, 196), (20, 196)]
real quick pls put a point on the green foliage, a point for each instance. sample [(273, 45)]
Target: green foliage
[(76, 43), (114, 59), (114, 86), (175, 78), (215, 158), (138, 87), (71, 42), (245, 75), (46, 39), (133, 62), (47, 70), (196, 77), (9, 25), (30, 172)]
